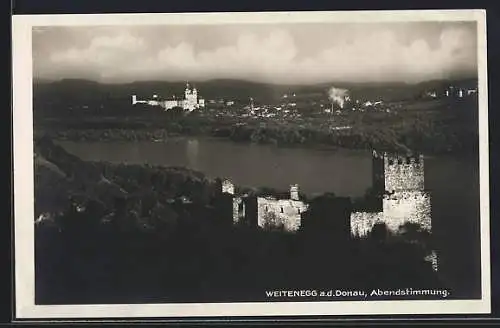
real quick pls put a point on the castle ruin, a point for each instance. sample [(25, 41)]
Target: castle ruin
[(398, 192), (398, 197), (399, 182), (269, 211), (272, 211)]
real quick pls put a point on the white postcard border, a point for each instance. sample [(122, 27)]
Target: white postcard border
[(24, 176)]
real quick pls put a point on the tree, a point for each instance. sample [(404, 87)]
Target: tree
[(379, 232), (175, 112), (414, 233), (163, 217)]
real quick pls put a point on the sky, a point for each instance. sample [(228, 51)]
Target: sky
[(300, 53)]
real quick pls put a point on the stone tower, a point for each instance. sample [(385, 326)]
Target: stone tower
[(294, 192), (404, 200), (403, 173)]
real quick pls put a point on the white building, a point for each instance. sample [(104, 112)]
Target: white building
[(190, 101)]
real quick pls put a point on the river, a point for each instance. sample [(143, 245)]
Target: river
[(452, 180)]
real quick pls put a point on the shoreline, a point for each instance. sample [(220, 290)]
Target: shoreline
[(138, 136)]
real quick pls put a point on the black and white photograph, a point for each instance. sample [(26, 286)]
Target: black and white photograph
[(251, 164)]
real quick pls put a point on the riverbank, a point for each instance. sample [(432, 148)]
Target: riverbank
[(428, 142), (431, 128)]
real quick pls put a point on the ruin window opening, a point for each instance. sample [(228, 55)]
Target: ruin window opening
[(281, 210)]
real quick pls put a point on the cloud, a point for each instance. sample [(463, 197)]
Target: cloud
[(276, 57), (104, 54)]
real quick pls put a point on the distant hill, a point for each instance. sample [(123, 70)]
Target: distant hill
[(75, 91)]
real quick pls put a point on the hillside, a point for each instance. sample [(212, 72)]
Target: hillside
[(61, 177), (89, 92), (156, 248)]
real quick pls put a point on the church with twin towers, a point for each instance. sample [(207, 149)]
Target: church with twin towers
[(189, 102)]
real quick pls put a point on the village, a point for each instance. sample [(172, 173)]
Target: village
[(336, 101)]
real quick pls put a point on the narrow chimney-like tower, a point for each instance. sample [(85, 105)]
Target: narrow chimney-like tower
[(294, 192)]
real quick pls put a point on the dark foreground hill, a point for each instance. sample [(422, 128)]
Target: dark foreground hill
[(143, 234), (62, 179)]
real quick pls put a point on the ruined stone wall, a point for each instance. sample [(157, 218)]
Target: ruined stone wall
[(403, 173), (407, 206), (398, 208), (286, 211), (363, 222), (227, 187), (238, 209)]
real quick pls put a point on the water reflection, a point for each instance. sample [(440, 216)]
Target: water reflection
[(192, 148), (346, 172)]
